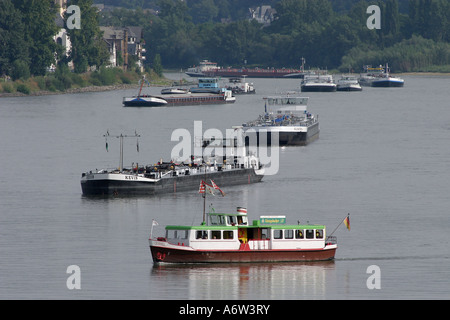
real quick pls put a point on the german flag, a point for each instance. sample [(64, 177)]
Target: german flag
[(347, 222)]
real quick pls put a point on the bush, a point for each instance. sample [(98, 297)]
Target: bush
[(23, 88), (8, 88), (20, 70)]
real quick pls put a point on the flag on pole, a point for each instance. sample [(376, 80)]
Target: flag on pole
[(209, 188), (347, 222), (202, 187), (217, 188), (155, 223)]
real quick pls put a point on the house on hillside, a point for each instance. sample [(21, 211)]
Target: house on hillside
[(62, 37), (263, 14), (125, 45)]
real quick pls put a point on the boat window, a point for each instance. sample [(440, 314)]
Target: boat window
[(228, 234), (216, 234), (289, 234), (298, 234), (231, 220), (309, 234), (201, 234), (278, 234), (319, 234), (265, 234)]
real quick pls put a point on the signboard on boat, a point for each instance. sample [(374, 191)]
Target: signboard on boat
[(272, 219)]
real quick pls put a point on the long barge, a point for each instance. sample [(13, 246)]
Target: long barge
[(234, 168)]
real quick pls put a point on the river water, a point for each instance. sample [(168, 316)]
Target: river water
[(383, 156)]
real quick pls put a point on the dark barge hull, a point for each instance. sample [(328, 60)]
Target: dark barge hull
[(171, 255), (167, 185)]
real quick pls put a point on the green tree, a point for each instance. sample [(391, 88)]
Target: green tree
[(12, 41), (39, 29), (157, 66), (88, 49)]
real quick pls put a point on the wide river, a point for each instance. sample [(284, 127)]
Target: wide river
[(383, 156)]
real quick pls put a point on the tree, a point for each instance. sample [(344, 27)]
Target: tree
[(39, 29), (88, 48), (12, 41)]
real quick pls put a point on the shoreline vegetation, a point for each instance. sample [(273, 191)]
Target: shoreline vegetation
[(96, 81), (106, 79)]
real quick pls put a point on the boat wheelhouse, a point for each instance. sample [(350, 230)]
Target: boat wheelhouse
[(348, 83), (231, 238)]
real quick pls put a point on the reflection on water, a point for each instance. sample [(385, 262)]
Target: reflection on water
[(243, 281)]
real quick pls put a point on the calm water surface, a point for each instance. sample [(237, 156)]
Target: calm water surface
[(383, 156)]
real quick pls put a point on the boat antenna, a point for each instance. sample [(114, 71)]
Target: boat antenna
[(121, 136)]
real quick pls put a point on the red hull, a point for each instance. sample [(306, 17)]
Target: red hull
[(171, 255)]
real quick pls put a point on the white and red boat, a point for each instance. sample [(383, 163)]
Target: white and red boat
[(229, 238)]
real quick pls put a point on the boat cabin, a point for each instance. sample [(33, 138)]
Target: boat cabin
[(227, 231)]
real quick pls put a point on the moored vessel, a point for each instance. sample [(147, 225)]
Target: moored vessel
[(206, 92), (319, 82), (379, 77), (230, 238), (202, 69), (239, 86), (348, 83), (285, 117)]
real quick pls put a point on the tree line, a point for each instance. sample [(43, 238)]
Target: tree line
[(414, 34), (27, 36)]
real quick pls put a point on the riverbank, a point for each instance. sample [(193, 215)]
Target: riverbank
[(70, 83)]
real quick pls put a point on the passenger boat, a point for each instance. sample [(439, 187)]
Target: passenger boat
[(348, 83), (379, 77), (233, 167), (230, 238), (237, 86), (318, 82), (286, 117)]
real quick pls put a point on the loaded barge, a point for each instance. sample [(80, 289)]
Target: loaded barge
[(234, 168)]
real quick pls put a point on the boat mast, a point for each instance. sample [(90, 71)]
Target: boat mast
[(121, 136)]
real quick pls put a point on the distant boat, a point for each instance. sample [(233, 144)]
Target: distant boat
[(210, 69), (379, 77), (143, 100), (207, 92), (319, 82), (238, 87), (286, 117), (348, 83), (202, 69)]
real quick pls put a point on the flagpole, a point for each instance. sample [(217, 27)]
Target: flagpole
[(348, 215)]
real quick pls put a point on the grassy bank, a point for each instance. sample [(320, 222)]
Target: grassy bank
[(69, 82)]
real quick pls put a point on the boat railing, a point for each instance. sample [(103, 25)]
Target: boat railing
[(330, 240)]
